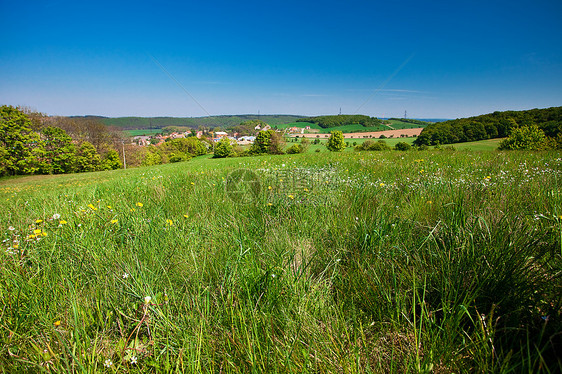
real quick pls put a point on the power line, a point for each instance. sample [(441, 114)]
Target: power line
[(178, 83), (386, 82)]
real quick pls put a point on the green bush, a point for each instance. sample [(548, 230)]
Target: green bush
[(336, 142)]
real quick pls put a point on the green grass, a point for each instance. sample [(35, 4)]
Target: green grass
[(386, 262), (482, 145)]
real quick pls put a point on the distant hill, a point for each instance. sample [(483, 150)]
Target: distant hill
[(342, 120), (491, 126), (134, 123)]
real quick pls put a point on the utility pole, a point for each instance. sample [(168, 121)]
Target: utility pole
[(124, 160), (405, 116)]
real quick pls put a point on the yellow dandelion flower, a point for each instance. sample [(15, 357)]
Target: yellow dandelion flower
[(291, 197), (113, 221), (269, 204), (269, 187), (62, 222), (31, 236), (429, 202), (192, 183), (186, 216), (132, 209), (57, 323), (305, 189), (139, 205), (92, 207), (39, 221), (109, 207), (169, 222), (37, 231), (381, 184), (44, 233)]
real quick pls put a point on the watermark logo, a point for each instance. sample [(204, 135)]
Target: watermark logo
[(243, 186)]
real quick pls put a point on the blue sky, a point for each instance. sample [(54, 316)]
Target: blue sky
[(439, 59)]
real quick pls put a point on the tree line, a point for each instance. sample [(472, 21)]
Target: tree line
[(32, 143), (342, 120), (494, 125)]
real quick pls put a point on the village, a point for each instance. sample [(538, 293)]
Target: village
[(289, 132)]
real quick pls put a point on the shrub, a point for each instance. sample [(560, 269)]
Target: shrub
[(370, 145), (336, 141), (402, 146), (525, 138), (223, 148)]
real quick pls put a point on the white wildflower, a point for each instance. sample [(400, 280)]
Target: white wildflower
[(147, 299), (134, 360), (56, 216), (125, 276), (107, 363)]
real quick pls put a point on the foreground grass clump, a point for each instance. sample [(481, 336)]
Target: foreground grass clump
[(353, 262)]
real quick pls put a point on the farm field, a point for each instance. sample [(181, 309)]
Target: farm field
[(385, 262), (351, 128)]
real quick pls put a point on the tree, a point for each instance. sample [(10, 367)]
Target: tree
[(525, 138), (402, 146), (336, 142), (111, 160), (21, 145), (223, 148), (60, 152), (267, 142), (87, 158)]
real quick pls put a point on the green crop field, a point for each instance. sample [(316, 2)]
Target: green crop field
[(352, 262)]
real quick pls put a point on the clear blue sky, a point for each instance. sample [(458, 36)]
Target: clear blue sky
[(435, 59)]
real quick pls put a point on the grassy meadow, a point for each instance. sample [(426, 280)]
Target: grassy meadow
[(357, 262)]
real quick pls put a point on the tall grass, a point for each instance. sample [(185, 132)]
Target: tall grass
[(403, 262)]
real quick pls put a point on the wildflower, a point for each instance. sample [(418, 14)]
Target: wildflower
[(39, 221), (37, 231), (269, 204), (291, 197), (429, 202), (11, 228), (133, 360), (63, 222), (107, 363), (169, 222), (113, 221), (109, 207), (381, 184), (56, 216), (193, 184), (92, 207), (57, 323), (139, 205), (147, 299), (305, 189), (125, 275), (186, 216), (269, 187)]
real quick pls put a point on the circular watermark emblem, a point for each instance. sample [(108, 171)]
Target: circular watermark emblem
[(243, 186)]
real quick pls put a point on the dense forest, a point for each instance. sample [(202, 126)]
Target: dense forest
[(327, 122), (493, 125), (130, 123), (412, 121)]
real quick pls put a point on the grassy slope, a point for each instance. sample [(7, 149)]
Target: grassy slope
[(387, 268)]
